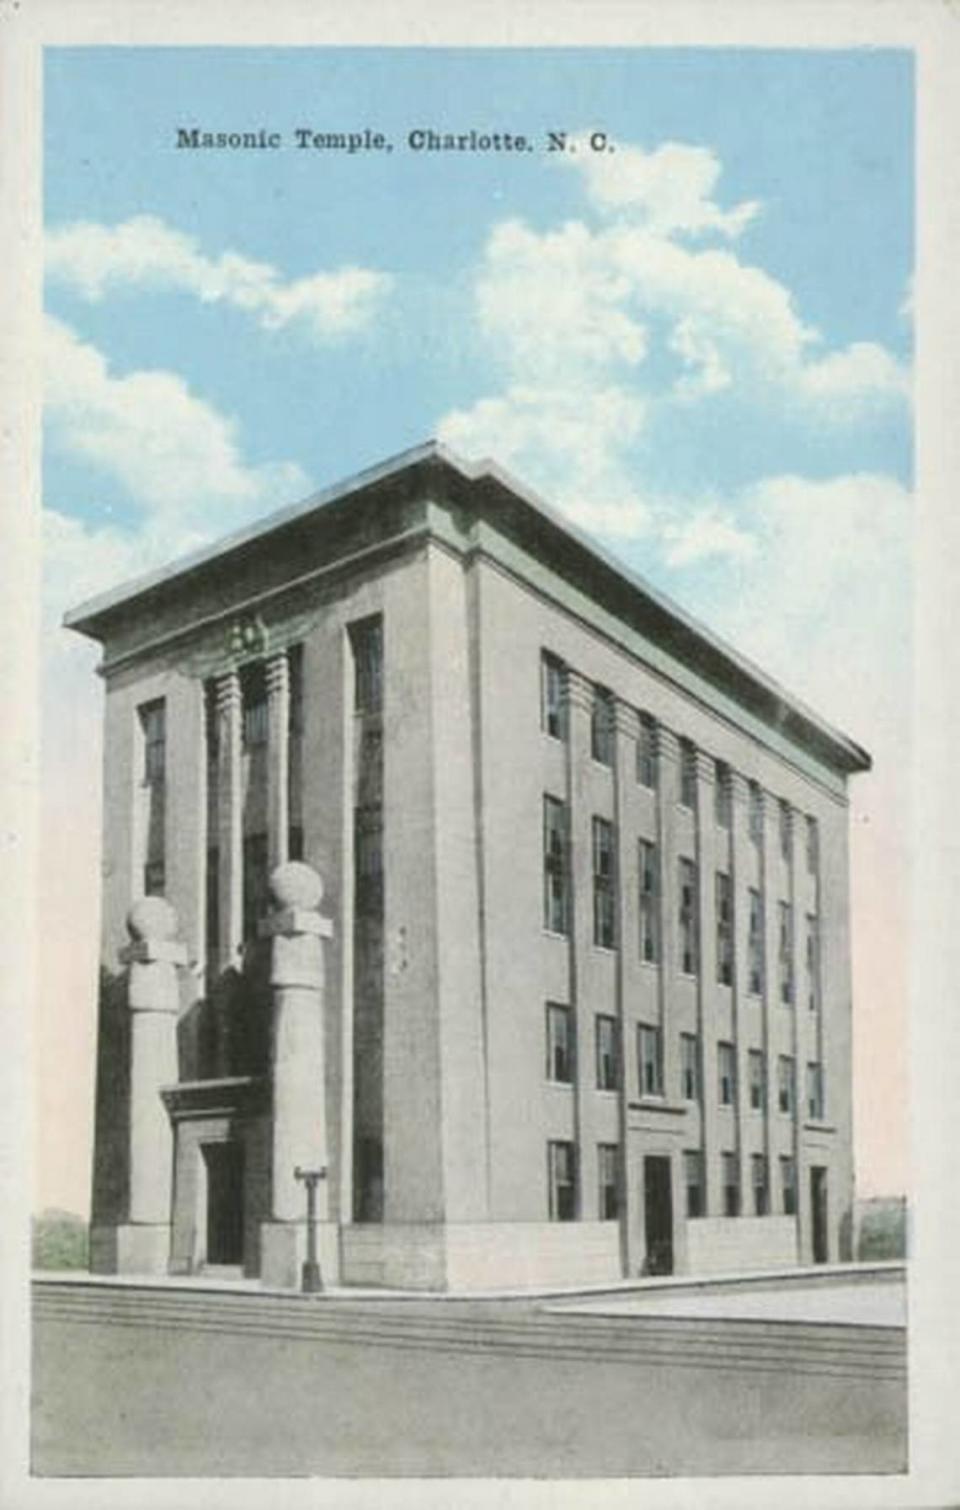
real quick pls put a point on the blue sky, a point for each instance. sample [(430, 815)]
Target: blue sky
[(697, 345)]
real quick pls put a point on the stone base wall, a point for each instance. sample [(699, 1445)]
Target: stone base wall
[(728, 1245), (481, 1255)]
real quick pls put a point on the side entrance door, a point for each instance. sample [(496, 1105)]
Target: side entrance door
[(658, 1214), (224, 1164)]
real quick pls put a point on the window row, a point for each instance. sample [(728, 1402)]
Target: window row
[(557, 897), (562, 1183), (554, 721), (561, 1066)]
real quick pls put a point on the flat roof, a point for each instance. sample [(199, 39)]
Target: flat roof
[(92, 616)]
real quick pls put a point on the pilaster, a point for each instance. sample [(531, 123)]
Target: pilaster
[(627, 925), (278, 758), (706, 850), (230, 819), (740, 875), (579, 708)]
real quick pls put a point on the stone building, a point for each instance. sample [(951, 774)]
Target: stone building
[(575, 1003)]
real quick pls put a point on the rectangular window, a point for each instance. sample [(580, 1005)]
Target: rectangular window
[(368, 859), (788, 1185), (757, 1080), (647, 752), (813, 964), (813, 846), (761, 1194), (688, 774), (649, 912), (553, 702), (786, 1085), (651, 1060), (602, 726), (755, 943), (785, 822), (693, 1178), (255, 721), (609, 1193), (724, 909), (213, 899), (689, 1067), (154, 878), (730, 1171), (688, 918), (555, 867), (721, 794), (255, 878), (815, 1092), (295, 842), (785, 953), (295, 665), (366, 640), (607, 1056), (153, 723), (604, 919), (756, 814), (560, 1062), (727, 1073), (561, 1181)]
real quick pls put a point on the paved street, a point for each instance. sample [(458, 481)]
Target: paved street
[(129, 1380)]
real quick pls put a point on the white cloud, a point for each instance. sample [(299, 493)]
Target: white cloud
[(146, 253), (173, 451), (670, 189), (706, 533)]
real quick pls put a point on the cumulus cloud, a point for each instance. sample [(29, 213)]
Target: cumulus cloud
[(704, 534), (173, 451), (147, 254), (670, 190)]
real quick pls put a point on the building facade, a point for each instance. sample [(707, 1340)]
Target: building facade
[(584, 998)]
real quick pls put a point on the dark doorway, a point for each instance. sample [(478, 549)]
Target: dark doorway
[(658, 1214), (818, 1213), (224, 1163)]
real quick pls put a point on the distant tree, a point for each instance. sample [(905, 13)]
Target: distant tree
[(882, 1229), (59, 1241)]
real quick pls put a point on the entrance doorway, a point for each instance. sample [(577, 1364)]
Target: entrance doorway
[(818, 1214), (658, 1214), (224, 1166)]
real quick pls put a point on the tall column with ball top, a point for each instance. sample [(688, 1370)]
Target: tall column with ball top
[(299, 1127)]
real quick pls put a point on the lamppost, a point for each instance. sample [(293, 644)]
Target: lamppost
[(311, 1281)]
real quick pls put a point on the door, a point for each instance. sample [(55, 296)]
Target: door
[(224, 1164), (658, 1214), (818, 1214)]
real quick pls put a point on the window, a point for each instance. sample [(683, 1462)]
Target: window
[(756, 1071), (724, 901), (786, 953), (368, 859), (295, 842), (689, 1067), (721, 795), (731, 1184), (813, 846), (609, 1195), (693, 1178), (366, 640), (553, 703), (559, 1044), (786, 1085), (813, 964), (649, 919), (555, 874), (786, 829), (604, 920), (561, 1181), (607, 1056), (154, 878), (647, 752), (255, 887), (815, 1092), (756, 814), (688, 917), (256, 721), (213, 899), (755, 943), (153, 722), (651, 1061), (688, 774), (602, 726), (761, 1194), (295, 664), (727, 1073), (788, 1185)]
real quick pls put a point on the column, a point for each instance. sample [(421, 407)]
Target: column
[(740, 877), (707, 979), (230, 819), (773, 1043), (579, 708), (627, 924), (278, 758), (151, 957), (668, 756), (299, 1129)]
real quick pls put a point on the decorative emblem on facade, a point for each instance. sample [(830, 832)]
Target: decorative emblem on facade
[(247, 637)]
